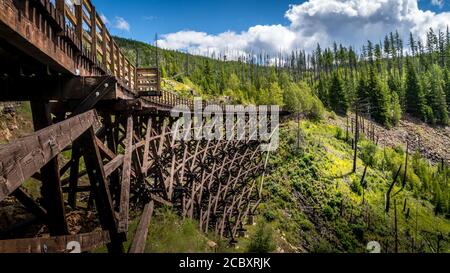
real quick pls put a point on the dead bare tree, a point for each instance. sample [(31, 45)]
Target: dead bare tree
[(396, 225), (355, 156), (364, 184), (391, 187), (406, 171)]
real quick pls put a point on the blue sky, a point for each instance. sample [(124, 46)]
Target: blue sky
[(200, 26), (147, 17)]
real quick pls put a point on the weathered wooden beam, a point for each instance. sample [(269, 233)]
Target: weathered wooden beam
[(53, 199), (60, 244), (104, 150), (29, 203), (62, 88), (77, 189), (29, 36), (113, 165), (126, 175), (74, 174), (26, 156), (112, 135), (149, 94), (105, 86), (100, 189), (140, 237), (147, 146), (160, 200)]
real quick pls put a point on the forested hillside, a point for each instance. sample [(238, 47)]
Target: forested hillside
[(316, 200), (384, 79)]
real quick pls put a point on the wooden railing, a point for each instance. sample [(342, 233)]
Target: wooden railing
[(72, 34), (95, 40)]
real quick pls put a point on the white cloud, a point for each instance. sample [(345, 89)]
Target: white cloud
[(350, 22), (439, 3), (121, 23), (257, 38), (149, 18), (104, 19)]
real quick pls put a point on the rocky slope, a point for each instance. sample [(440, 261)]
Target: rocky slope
[(433, 143)]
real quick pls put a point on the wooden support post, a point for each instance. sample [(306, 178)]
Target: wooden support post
[(104, 46), (59, 5), (138, 245), (74, 175), (79, 26), (111, 139), (126, 175), (51, 184), (100, 189), (93, 17), (112, 49)]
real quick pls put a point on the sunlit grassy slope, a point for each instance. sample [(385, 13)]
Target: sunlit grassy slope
[(316, 202)]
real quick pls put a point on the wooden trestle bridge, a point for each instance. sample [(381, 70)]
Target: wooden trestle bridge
[(89, 101)]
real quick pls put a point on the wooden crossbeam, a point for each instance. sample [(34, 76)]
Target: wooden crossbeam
[(29, 203), (160, 200), (26, 156), (104, 150), (100, 91), (138, 244), (113, 165), (59, 244), (149, 94)]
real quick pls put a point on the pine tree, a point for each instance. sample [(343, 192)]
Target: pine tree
[(396, 109), (338, 96), (412, 44), (415, 98), (362, 91), (439, 203), (447, 86), (379, 98), (208, 82), (322, 92), (436, 95), (395, 86)]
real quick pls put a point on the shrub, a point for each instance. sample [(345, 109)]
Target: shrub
[(262, 240), (329, 212), (340, 134), (269, 215), (317, 109), (368, 154), (356, 187), (299, 98)]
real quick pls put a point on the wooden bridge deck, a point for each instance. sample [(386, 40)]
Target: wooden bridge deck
[(87, 98), (68, 52)]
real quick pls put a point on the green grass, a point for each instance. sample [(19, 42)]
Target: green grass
[(169, 233), (316, 201)]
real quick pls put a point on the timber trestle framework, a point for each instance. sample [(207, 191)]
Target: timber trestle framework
[(100, 136)]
